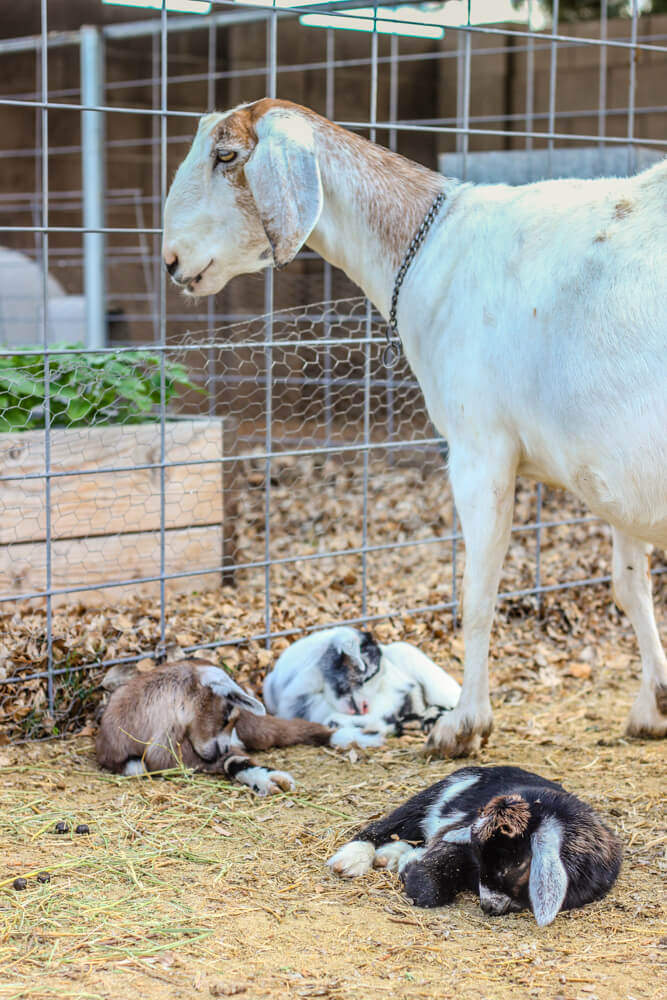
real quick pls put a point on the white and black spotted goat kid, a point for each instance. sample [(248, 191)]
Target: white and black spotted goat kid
[(519, 840), (343, 678)]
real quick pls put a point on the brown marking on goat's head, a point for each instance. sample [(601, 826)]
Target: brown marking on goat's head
[(236, 132), (623, 208), (508, 815), (521, 878), (384, 178), (238, 128)]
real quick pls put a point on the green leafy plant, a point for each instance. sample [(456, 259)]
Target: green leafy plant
[(106, 388)]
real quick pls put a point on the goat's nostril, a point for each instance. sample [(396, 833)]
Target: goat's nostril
[(171, 264)]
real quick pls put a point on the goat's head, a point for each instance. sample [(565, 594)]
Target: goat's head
[(518, 845), (247, 195), (349, 664)]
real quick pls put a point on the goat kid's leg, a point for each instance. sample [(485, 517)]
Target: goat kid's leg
[(436, 875), (263, 780), (384, 841), (483, 488), (237, 766), (632, 592)]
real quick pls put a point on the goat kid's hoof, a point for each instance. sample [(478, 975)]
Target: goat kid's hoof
[(421, 887), (352, 736), (279, 781), (648, 716), (389, 856), (353, 859), (457, 736)]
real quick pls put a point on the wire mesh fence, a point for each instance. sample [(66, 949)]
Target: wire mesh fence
[(252, 452)]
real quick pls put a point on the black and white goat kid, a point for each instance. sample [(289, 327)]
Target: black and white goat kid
[(518, 839), (342, 678)]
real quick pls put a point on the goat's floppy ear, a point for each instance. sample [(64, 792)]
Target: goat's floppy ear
[(284, 180), (548, 879), (222, 685)]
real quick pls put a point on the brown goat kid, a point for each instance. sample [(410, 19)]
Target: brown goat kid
[(193, 713)]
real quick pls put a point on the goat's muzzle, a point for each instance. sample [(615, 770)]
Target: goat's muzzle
[(171, 263), (494, 904), (189, 283)]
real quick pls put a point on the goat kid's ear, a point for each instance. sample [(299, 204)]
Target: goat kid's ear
[(222, 685), (508, 815), (284, 180), (547, 884), (247, 701)]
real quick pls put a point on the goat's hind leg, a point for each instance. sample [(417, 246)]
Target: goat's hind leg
[(233, 764), (483, 487), (632, 592), (237, 766)]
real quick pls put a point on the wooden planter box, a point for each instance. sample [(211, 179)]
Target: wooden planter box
[(105, 526)]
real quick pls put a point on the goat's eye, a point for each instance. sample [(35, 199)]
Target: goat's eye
[(225, 156)]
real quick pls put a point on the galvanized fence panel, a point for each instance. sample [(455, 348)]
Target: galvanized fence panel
[(239, 443)]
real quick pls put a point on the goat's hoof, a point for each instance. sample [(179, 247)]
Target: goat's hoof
[(422, 886), (353, 859), (279, 781), (648, 717), (389, 855), (458, 736)]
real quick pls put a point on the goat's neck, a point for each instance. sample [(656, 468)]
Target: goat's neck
[(374, 202)]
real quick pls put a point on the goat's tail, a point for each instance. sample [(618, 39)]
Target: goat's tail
[(261, 732)]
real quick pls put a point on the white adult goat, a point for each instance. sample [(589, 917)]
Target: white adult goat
[(535, 319)]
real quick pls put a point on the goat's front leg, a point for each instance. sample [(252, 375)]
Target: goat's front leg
[(632, 591), (237, 766), (386, 841), (483, 488), (435, 876)]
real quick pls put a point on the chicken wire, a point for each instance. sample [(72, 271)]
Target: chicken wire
[(287, 456)]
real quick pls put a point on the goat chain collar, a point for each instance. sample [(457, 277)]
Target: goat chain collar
[(392, 349)]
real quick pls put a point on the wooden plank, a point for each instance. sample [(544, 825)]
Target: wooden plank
[(106, 503), (113, 557)]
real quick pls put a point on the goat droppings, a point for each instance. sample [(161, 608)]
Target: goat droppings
[(82, 828), (44, 877), (20, 884), (62, 827)]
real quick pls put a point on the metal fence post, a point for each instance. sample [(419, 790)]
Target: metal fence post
[(269, 302), (93, 181)]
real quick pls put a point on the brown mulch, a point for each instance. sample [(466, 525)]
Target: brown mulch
[(317, 506), (187, 887)]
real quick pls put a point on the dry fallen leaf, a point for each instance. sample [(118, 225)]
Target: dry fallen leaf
[(580, 670)]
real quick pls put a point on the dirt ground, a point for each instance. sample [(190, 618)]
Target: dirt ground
[(186, 886)]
